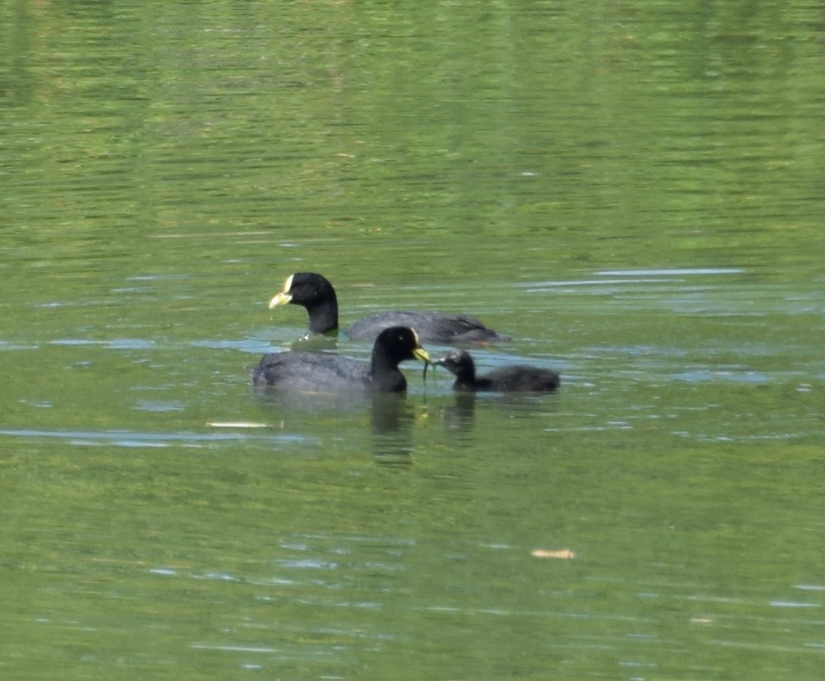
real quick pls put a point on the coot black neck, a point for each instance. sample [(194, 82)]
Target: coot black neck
[(384, 372), (323, 315)]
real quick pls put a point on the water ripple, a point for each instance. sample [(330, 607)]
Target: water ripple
[(123, 438)]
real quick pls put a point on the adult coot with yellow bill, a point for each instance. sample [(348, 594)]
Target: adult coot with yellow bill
[(324, 372), (315, 293)]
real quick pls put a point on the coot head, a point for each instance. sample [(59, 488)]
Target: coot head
[(314, 293)]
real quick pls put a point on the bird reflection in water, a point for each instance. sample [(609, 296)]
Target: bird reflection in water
[(391, 417), (392, 420)]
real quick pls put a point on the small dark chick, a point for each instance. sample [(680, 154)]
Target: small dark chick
[(518, 378)]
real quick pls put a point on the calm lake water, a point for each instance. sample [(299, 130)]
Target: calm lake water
[(632, 191)]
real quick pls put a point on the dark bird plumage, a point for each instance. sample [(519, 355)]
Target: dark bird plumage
[(315, 293), (324, 372), (518, 378)]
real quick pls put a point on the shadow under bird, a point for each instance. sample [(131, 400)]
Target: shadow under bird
[(316, 294), (517, 378), (325, 372)]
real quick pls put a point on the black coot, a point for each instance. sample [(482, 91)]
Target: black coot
[(323, 372), (519, 378), (314, 292)]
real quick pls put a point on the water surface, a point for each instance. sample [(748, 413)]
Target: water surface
[(632, 192)]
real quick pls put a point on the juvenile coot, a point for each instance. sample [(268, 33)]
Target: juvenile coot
[(314, 292), (314, 371), (519, 378)]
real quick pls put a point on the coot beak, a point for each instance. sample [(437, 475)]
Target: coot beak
[(421, 354), (424, 356), (284, 296)]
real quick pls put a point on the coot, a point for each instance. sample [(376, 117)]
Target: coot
[(518, 378), (324, 372), (315, 293)]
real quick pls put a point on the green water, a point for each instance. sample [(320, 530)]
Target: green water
[(632, 191)]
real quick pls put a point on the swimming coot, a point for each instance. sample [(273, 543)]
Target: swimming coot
[(320, 372), (519, 378), (315, 293)]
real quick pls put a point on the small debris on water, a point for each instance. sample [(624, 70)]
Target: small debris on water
[(560, 554)]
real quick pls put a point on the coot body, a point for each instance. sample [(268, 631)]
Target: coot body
[(316, 294), (517, 378), (325, 372)]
